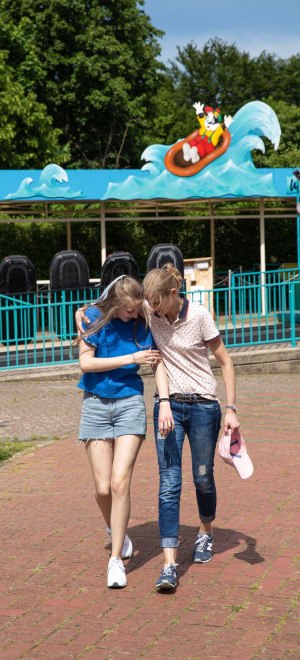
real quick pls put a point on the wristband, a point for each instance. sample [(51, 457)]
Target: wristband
[(132, 354), (163, 399), (232, 407)]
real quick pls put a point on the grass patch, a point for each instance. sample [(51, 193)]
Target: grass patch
[(9, 448)]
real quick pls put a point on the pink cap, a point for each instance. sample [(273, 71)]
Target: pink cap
[(232, 448)]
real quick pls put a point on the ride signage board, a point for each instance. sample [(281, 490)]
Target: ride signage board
[(214, 161)]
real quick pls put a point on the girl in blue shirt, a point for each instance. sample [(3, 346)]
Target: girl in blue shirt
[(114, 345)]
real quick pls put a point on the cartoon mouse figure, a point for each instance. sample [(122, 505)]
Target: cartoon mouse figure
[(211, 129)]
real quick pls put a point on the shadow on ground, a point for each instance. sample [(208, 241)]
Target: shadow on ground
[(145, 540)]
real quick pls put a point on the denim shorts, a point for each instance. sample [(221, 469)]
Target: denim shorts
[(109, 418)]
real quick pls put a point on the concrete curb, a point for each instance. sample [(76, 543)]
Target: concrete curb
[(264, 361)]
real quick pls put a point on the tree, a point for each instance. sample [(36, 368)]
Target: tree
[(288, 153), (93, 64), (221, 75), (26, 135)]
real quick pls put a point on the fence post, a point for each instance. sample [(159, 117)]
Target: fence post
[(102, 232), (233, 297), (292, 313), (229, 294), (298, 231)]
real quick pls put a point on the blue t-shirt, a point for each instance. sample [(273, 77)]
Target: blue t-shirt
[(115, 339)]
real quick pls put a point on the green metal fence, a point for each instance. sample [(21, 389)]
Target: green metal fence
[(38, 329)]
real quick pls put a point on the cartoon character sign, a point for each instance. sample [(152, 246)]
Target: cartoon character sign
[(210, 132), (187, 157)]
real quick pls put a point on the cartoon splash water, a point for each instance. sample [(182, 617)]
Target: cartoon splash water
[(232, 174), (50, 185)]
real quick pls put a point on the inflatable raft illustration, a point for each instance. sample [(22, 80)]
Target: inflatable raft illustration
[(176, 164)]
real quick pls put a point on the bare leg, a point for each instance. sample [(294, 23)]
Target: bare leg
[(100, 454), (126, 450), (205, 528), (170, 555)]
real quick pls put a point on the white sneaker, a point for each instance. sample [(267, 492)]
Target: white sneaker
[(194, 155), (116, 576), (186, 151), (127, 549)]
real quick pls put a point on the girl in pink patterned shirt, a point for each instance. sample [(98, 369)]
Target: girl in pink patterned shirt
[(183, 331)]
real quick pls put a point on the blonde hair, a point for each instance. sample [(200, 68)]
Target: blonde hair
[(127, 291), (158, 283)]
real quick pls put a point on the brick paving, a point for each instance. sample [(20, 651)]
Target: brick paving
[(54, 553)]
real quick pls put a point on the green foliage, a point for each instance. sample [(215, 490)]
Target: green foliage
[(93, 65), (288, 153), (10, 447), (38, 241), (26, 135)]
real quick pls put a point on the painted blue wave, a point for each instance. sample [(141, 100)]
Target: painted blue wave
[(232, 174), (50, 184)]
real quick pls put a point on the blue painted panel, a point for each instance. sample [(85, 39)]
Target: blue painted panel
[(97, 185)]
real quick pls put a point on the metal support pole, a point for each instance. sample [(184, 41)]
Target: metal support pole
[(102, 232), (212, 253), (212, 239), (262, 256), (69, 235), (298, 232), (229, 294)]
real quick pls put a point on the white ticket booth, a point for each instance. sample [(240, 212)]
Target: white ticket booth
[(198, 275)]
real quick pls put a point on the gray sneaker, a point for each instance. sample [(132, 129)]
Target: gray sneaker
[(167, 578), (203, 548)]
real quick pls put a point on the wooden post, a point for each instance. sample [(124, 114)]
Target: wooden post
[(69, 235), (102, 232), (262, 241)]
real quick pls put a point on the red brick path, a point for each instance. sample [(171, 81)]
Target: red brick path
[(54, 602)]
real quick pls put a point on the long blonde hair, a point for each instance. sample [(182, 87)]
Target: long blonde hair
[(158, 283), (126, 291)]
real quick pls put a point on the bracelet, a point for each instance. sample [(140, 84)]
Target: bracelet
[(132, 354), (232, 407), (163, 399)]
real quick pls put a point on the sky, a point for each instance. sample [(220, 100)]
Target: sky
[(253, 25)]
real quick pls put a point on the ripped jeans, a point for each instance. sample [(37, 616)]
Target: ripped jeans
[(201, 423)]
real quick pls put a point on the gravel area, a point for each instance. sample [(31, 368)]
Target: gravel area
[(46, 410), (39, 411), (43, 410)]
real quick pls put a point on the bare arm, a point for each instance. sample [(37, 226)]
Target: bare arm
[(224, 361), (165, 418), (89, 363), (80, 318)]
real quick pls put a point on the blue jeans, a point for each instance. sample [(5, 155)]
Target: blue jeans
[(201, 423)]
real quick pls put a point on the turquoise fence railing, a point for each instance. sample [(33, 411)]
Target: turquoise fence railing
[(38, 329), (260, 292)]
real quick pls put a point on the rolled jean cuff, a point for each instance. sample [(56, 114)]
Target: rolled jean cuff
[(169, 542), (207, 519)]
